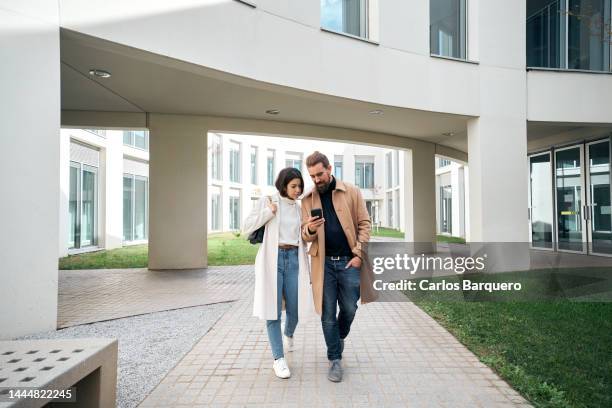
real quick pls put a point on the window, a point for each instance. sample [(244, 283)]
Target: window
[(338, 160), (234, 210), (293, 160), (136, 138), (572, 34), (253, 164), (83, 205), (364, 172), (443, 162), (389, 170), (447, 28), (234, 162), (396, 167), (135, 207), (98, 132), (215, 210), (345, 16), (588, 35), (446, 209), (390, 209), (270, 166), (215, 157)]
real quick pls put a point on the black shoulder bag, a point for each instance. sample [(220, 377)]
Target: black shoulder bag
[(256, 237)]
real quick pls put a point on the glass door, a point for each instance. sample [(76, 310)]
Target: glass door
[(82, 205), (598, 211), (541, 201), (569, 199)]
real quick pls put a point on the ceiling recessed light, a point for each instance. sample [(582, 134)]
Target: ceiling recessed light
[(272, 111), (99, 73), (376, 112), (448, 134)]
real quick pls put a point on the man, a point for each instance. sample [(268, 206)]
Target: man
[(337, 254)]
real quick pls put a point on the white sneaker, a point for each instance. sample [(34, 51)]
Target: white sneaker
[(280, 368), (288, 343)]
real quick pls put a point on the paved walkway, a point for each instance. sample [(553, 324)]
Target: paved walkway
[(395, 356)]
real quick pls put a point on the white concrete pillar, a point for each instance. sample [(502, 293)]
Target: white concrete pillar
[(112, 156), (64, 193), (420, 194), (497, 140), (29, 167), (178, 184)]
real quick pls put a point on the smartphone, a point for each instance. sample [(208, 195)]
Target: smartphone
[(316, 212)]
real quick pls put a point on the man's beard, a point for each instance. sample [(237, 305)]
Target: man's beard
[(322, 188)]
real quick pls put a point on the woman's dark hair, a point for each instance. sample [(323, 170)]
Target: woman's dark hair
[(285, 176)]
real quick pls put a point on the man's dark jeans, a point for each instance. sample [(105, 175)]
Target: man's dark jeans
[(340, 288)]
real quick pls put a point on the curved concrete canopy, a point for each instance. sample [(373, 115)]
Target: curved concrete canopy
[(146, 82)]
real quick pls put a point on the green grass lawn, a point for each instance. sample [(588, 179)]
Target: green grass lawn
[(228, 249), (452, 240), (223, 249), (556, 353), (387, 232)]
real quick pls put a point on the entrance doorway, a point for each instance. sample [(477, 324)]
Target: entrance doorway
[(569, 209)]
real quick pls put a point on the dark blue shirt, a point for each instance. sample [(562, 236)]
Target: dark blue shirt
[(336, 243)]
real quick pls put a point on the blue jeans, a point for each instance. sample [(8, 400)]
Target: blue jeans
[(287, 284), (340, 288)]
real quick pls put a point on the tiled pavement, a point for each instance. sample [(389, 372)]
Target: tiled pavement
[(396, 355), (87, 296)]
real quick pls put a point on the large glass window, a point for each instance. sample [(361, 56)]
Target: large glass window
[(215, 211), (396, 167), (447, 28), (83, 205), (135, 207), (546, 33), (253, 164), (234, 210), (572, 34), (215, 157), (345, 16), (446, 209), (364, 172), (234, 162), (390, 210), (389, 170), (270, 164), (136, 138), (588, 35), (293, 160), (338, 162)]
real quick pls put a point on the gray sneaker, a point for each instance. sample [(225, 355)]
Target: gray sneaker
[(335, 371)]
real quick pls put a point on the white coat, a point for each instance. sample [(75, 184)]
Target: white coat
[(264, 302)]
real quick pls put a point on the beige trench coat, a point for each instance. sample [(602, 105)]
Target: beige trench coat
[(355, 220), (264, 302)]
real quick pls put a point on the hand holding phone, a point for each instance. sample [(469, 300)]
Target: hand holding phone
[(316, 220)]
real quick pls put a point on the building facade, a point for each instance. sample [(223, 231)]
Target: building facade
[(242, 168), (104, 189), (517, 90)]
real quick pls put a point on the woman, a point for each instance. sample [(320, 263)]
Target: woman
[(282, 271)]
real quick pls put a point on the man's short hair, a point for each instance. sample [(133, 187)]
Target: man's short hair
[(317, 157)]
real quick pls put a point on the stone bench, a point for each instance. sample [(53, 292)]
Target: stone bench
[(88, 365)]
